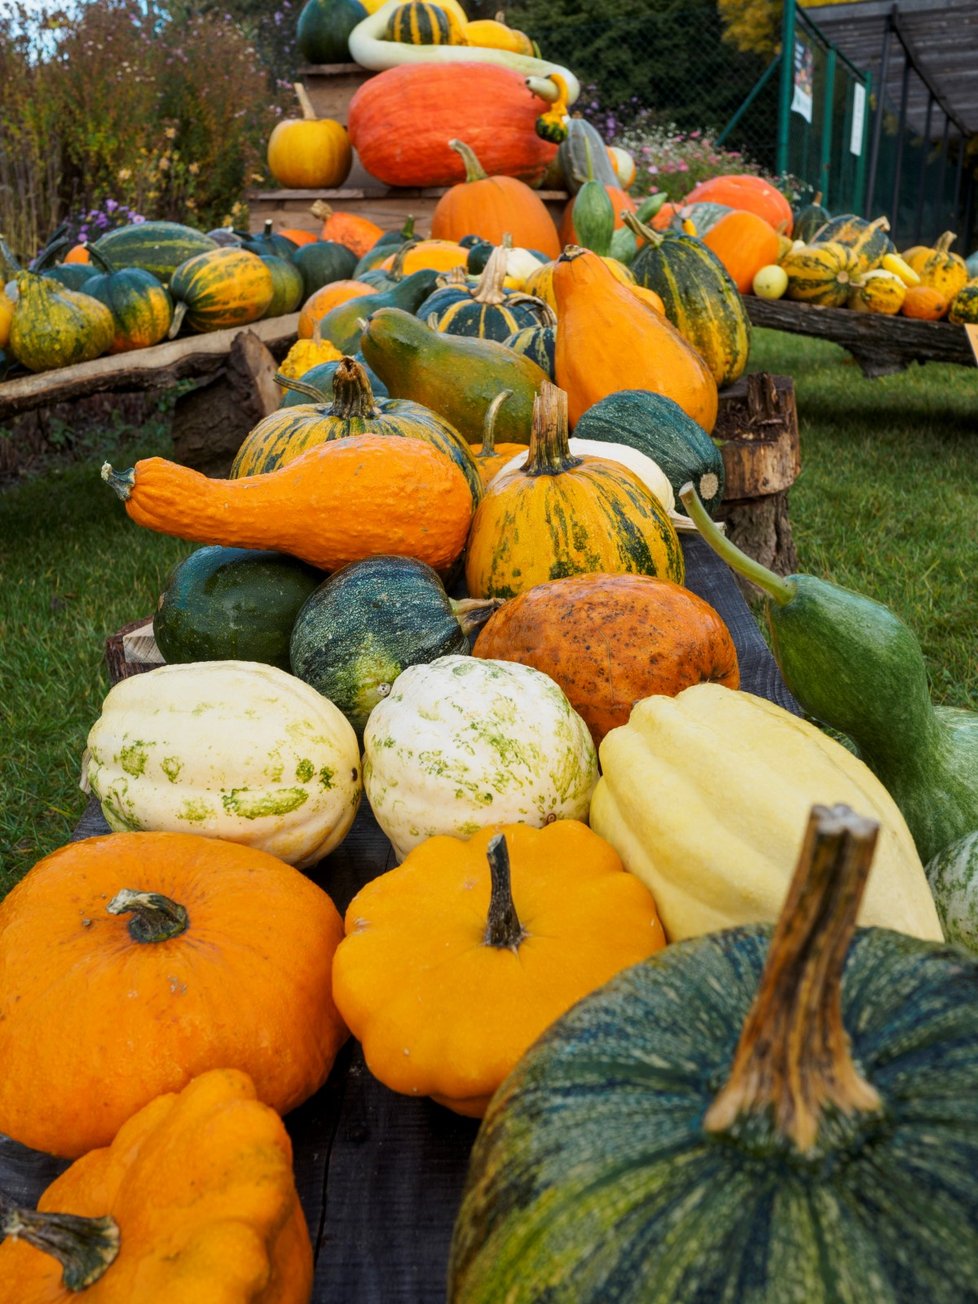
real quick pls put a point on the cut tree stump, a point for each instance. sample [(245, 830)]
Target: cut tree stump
[(757, 431), (211, 421)]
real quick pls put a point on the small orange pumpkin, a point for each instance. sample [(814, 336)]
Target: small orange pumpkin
[(78, 254), (746, 192), (924, 303), (492, 207), (457, 960), (744, 243), (326, 297), (438, 255), (297, 236), (350, 229), (649, 297)]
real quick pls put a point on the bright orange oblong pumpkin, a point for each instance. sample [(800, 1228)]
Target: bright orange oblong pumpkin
[(743, 191), (326, 297), (492, 207), (744, 243), (350, 229), (94, 1023), (924, 302), (608, 340), (610, 640)]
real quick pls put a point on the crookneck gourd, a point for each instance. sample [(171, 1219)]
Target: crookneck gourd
[(743, 1118), (194, 1200), (857, 667)]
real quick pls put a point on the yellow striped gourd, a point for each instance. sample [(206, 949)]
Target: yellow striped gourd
[(419, 23), (938, 268), (877, 291), (821, 274)]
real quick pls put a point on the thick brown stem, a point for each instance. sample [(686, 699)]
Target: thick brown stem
[(352, 396), (155, 918), (83, 1246), (503, 927), (473, 613), (793, 1058), (549, 444), (474, 171)]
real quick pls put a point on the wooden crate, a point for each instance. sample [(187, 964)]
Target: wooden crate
[(331, 86)]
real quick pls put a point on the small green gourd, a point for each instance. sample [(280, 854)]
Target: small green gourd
[(855, 666)]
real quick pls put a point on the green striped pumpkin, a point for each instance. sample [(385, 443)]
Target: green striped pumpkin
[(821, 274), (157, 247), (867, 240), (217, 290), (141, 306), (351, 409), (288, 290), (486, 311), (700, 1130), (418, 23), (953, 879), (809, 218), (699, 296), (536, 343)]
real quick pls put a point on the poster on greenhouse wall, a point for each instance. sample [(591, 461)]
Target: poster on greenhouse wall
[(804, 81)]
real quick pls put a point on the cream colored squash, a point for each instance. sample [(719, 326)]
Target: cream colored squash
[(462, 743), (706, 795), (647, 470), (228, 749)]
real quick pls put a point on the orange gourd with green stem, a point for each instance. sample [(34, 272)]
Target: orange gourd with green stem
[(351, 229), (339, 502), (607, 340), (492, 207), (457, 960)]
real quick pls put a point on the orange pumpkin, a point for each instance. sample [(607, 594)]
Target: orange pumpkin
[(744, 243), (219, 957), (620, 200), (492, 207), (401, 121), (350, 229), (753, 194), (78, 254), (924, 302), (439, 255), (458, 959), (610, 640), (309, 153), (540, 283), (339, 502), (326, 297), (297, 236), (608, 340)]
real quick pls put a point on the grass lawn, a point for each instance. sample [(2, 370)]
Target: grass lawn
[(886, 504)]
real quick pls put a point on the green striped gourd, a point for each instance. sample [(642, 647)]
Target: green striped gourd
[(747, 1116), (964, 305), (821, 274), (351, 409), (699, 296), (288, 290), (487, 311), (419, 23), (141, 306), (227, 287), (867, 240), (809, 218), (53, 326), (157, 247), (953, 878), (877, 291), (536, 343), (594, 217)]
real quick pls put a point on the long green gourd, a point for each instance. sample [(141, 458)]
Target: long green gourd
[(855, 666)]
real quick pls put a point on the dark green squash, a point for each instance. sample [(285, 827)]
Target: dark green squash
[(867, 240), (419, 23), (808, 218), (141, 306), (288, 290), (659, 428), (323, 261), (268, 242), (341, 325), (350, 408), (699, 295), (232, 604), (702, 1131), (157, 247), (536, 343), (486, 310), (385, 246), (321, 376), (582, 156), (367, 622), (73, 276), (594, 217), (324, 28)]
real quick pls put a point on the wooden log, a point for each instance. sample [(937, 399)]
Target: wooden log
[(880, 344)]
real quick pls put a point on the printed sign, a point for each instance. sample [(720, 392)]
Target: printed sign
[(972, 332), (804, 81), (858, 119)]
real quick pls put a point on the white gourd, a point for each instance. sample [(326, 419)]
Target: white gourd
[(647, 470)]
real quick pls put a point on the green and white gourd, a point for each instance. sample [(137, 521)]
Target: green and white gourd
[(228, 749), (953, 878), (648, 471), (464, 742)]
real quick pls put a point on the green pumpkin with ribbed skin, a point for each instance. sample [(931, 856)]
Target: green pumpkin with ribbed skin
[(53, 326), (232, 604), (658, 427), (536, 343), (224, 288), (867, 240), (73, 276), (417, 23), (288, 290), (141, 306), (674, 1139), (351, 409), (157, 247), (700, 298), (323, 261), (486, 310), (370, 620)]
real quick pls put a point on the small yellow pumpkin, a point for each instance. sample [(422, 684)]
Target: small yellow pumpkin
[(938, 268)]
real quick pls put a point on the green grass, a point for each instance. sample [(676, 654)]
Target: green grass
[(886, 503)]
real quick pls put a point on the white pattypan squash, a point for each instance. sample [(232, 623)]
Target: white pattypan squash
[(463, 742), (647, 470), (230, 749)]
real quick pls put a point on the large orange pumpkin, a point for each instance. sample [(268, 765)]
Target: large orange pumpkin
[(492, 207), (753, 194), (401, 121)]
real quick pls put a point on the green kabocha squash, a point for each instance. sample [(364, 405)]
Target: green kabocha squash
[(744, 1118), (341, 325), (53, 326), (536, 343), (141, 306), (659, 428), (323, 261), (351, 409), (855, 666), (368, 621), (486, 310), (232, 604), (320, 377), (157, 247), (324, 29), (288, 288), (699, 296), (266, 242), (809, 218)]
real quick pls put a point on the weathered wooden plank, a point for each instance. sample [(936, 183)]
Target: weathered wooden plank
[(153, 368)]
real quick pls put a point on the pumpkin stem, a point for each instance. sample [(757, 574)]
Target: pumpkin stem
[(121, 481), (793, 1058), (640, 230), (83, 1246), (352, 395), (305, 103), (396, 272), (472, 613), (474, 171), (779, 590), (944, 243), (155, 918), (549, 443), (489, 288), (312, 392), (489, 423), (503, 927), (100, 260)]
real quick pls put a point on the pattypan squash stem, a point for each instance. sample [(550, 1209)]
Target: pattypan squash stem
[(503, 927), (793, 1059), (155, 918), (473, 613), (777, 589), (549, 443), (83, 1246)]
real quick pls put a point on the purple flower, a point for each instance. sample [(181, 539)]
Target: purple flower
[(101, 220), (136, 218), (111, 205)]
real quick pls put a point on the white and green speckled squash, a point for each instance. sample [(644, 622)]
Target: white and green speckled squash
[(953, 878), (461, 743), (648, 471), (229, 749)]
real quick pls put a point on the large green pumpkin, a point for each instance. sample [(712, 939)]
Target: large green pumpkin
[(695, 1133), (351, 409)]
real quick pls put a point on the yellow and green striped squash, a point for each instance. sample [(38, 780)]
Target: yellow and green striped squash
[(227, 287), (487, 311), (559, 515), (964, 306), (878, 291), (52, 326), (942, 270), (418, 23), (867, 240), (821, 274), (536, 343)]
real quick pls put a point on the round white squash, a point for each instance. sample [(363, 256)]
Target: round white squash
[(463, 742), (228, 749), (648, 471)]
